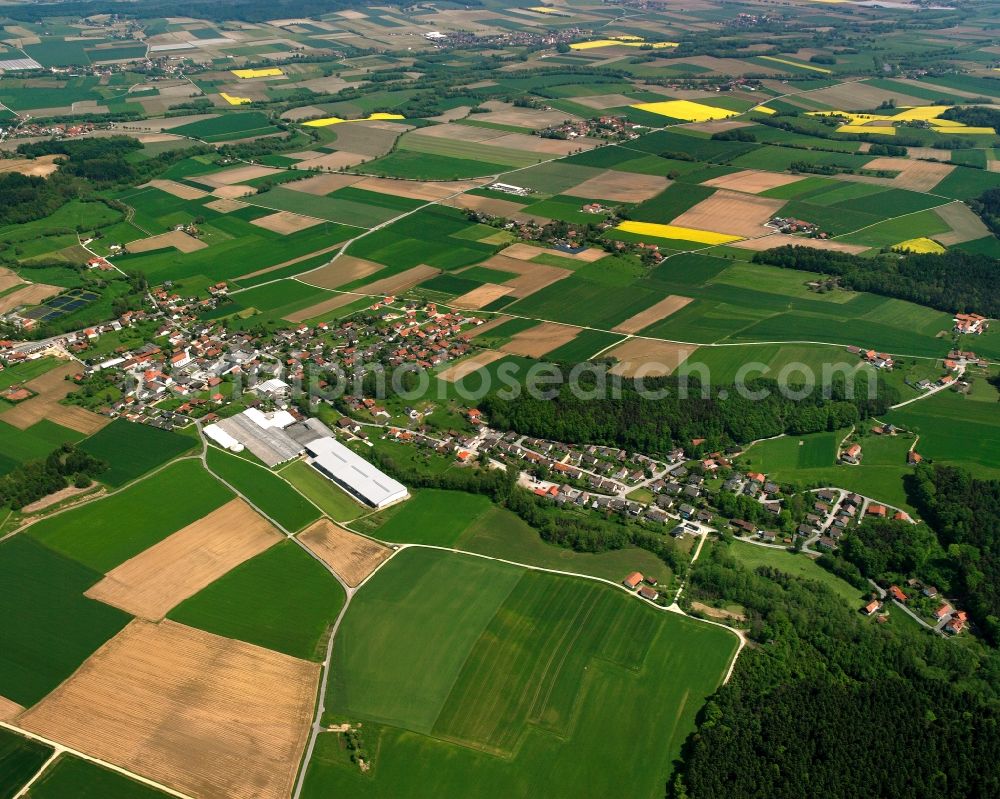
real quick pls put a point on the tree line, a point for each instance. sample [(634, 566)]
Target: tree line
[(954, 281), (34, 480)]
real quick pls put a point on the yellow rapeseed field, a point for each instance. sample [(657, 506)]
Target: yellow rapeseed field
[(882, 130), (967, 130), (326, 121), (675, 232), (921, 245), (687, 110), (920, 112), (798, 64), (271, 72), (235, 100), (621, 41)]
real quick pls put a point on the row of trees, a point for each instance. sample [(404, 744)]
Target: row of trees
[(34, 480), (953, 281)]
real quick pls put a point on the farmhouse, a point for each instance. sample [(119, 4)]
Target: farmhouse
[(632, 581), (852, 454), (353, 473)]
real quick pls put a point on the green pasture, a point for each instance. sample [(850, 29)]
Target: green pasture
[(20, 759), (525, 678), (132, 449), (105, 533), (73, 778), (333, 501), (431, 516), (417, 165), (34, 443), (50, 627), (283, 599)]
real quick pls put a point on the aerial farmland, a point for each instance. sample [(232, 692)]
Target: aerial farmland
[(469, 400)]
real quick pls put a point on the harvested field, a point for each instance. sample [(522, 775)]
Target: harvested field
[(914, 175), (50, 388), (330, 304), (75, 418), (601, 101), (533, 118), (458, 132), (717, 125), (401, 282), (860, 97), (620, 186), (177, 189), (661, 310), (40, 167), (466, 367), (205, 715), (346, 269), (321, 185), (481, 296), (153, 582), (752, 181), (225, 206), (779, 240), (336, 160), (159, 125), (495, 207), (286, 222), (240, 174), (233, 192), (530, 277), (541, 339), (350, 555), (9, 709), (730, 212), (642, 357), (31, 294), (417, 190), (928, 152), (527, 143), (964, 223), (177, 239), (8, 279), (525, 252), (370, 139)]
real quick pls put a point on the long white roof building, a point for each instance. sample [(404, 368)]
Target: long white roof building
[(353, 473)]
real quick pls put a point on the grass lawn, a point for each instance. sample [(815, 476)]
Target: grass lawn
[(265, 489), (283, 599), (752, 556), (333, 501), (73, 778), (20, 759), (432, 516), (107, 532), (132, 449), (50, 627), (500, 682), (501, 534)]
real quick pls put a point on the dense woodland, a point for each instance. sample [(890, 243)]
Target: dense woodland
[(826, 703), (954, 282), (987, 205), (637, 422), (34, 480)]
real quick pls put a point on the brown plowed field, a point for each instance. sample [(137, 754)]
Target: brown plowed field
[(350, 555)]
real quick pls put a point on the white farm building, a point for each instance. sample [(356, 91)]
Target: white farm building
[(354, 474)]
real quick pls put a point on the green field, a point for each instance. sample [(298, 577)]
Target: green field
[(34, 443), (264, 489), (50, 628), (105, 533), (283, 599), (231, 125), (429, 166), (491, 679), (131, 450), (20, 759), (431, 516), (333, 501), (73, 778)]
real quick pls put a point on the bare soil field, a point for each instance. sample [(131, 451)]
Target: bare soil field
[(332, 303), (401, 282), (964, 223), (283, 264), (8, 279), (233, 192), (530, 277), (779, 240), (350, 555), (453, 130), (717, 125), (481, 296), (927, 152), (495, 207), (9, 709), (334, 160), (536, 144), (177, 189), (415, 190), (286, 222), (730, 212), (56, 497), (369, 139), (752, 181), (177, 239), (205, 715), (642, 357), (240, 174), (321, 185), (525, 252), (224, 206), (601, 101), (541, 339), (717, 613), (914, 175), (619, 186), (77, 418), (40, 167), (855, 96), (346, 269), (533, 118), (159, 125), (31, 294), (154, 581), (466, 367), (661, 310), (50, 388)]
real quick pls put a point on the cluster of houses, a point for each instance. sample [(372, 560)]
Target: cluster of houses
[(971, 324), (612, 128), (946, 617), (644, 586), (880, 360), (790, 225)]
